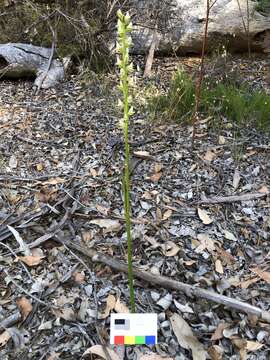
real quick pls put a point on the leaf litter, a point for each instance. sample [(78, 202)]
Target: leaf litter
[(61, 182)]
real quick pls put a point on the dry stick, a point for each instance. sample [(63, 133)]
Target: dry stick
[(201, 74), (165, 282), (29, 294), (232, 198), (151, 53), (248, 29)]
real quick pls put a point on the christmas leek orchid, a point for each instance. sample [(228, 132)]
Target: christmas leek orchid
[(124, 27)]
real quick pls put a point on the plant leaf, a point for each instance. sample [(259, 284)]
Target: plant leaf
[(108, 224), (203, 215), (31, 260), (24, 306), (99, 350), (186, 338), (4, 337), (265, 275), (236, 179), (23, 246)]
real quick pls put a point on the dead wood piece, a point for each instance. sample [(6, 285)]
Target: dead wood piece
[(165, 282), (18, 60), (150, 57), (233, 198)]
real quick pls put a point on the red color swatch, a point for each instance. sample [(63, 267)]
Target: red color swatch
[(119, 340)]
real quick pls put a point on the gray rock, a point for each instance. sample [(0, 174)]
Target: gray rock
[(181, 26)]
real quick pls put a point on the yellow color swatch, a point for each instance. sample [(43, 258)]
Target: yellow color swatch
[(129, 340)]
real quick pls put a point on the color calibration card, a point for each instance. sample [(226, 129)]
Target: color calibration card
[(133, 329)]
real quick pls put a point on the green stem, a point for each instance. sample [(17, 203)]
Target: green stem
[(127, 195)]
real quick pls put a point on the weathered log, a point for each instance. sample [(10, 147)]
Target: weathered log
[(20, 60)]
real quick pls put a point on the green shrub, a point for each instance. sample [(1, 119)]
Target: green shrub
[(237, 103), (179, 102), (263, 7)]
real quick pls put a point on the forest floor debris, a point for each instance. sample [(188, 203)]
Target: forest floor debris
[(61, 164)]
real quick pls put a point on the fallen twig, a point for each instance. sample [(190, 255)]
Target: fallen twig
[(29, 294), (233, 198), (163, 281)]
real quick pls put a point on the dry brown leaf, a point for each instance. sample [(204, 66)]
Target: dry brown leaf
[(147, 195), (215, 352), (54, 356), (39, 167), (110, 304), (209, 155), (229, 236), (203, 215), (264, 275), (24, 306), (245, 346), (120, 307), (143, 155), (254, 345), (65, 313), (31, 260), (13, 162), (153, 357), (54, 181), (87, 236), (218, 334), (218, 267), (155, 177), (236, 179), (205, 243), (167, 214), (102, 209), (4, 337), (170, 248), (189, 262), (99, 350), (239, 342), (250, 153), (158, 214), (226, 256), (264, 190), (221, 140), (79, 277), (245, 284), (158, 167), (93, 172), (186, 338), (108, 225)]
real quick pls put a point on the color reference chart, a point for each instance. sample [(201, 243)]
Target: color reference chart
[(133, 329), (134, 340)]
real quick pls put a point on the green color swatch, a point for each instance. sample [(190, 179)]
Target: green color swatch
[(139, 340)]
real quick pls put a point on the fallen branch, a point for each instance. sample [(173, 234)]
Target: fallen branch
[(165, 282), (233, 198), (161, 281)]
